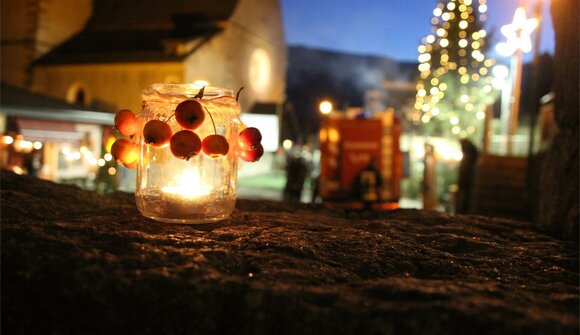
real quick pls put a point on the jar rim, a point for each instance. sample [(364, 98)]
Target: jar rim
[(189, 90)]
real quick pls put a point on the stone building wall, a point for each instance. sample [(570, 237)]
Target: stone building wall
[(106, 86), (250, 52), (32, 28)]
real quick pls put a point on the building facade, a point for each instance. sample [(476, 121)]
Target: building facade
[(122, 51)]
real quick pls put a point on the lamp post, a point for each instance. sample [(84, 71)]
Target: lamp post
[(518, 41), (502, 82)]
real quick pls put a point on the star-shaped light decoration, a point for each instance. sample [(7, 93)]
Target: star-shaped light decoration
[(517, 34)]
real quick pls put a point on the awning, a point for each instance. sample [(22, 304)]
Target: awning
[(48, 130), (55, 114)]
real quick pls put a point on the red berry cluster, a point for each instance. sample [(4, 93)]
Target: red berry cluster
[(185, 143), (123, 150), (249, 141)]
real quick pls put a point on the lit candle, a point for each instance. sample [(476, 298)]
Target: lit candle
[(188, 185), (186, 194)]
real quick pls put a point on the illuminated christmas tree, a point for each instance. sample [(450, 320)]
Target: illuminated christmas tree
[(454, 88)]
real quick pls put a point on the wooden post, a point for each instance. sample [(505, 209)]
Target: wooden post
[(487, 129)]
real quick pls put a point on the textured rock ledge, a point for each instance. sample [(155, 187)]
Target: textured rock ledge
[(75, 262)]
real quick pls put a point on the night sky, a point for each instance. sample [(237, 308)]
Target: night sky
[(391, 28)]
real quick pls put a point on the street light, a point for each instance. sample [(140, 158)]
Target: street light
[(325, 107), (518, 41)]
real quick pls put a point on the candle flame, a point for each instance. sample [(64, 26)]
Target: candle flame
[(188, 184), (200, 83)]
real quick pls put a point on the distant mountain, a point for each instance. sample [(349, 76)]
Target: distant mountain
[(314, 75)]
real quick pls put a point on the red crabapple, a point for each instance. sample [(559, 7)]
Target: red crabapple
[(189, 114), (157, 133), (185, 144), (215, 146), (126, 122), (252, 155), (249, 138), (125, 151)]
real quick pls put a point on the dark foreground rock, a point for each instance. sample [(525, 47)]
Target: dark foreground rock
[(77, 263)]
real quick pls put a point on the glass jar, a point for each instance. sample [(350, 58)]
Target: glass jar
[(198, 190)]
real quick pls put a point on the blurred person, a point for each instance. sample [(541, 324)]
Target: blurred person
[(466, 176), (429, 185), (367, 185), (296, 172)]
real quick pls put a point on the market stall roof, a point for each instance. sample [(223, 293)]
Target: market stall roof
[(18, 102)]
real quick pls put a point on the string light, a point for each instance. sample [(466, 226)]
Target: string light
[(424, 57)]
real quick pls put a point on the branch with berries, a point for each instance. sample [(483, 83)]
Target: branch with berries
[(186, 143)]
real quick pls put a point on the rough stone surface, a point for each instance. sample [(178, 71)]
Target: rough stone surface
[(559, 200), (77, 263)]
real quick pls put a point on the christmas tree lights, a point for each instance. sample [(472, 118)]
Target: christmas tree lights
[(454, 86)]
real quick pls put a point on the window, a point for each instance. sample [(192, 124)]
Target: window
[(77, 94)]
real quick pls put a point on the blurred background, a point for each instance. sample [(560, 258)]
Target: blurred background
[(443, 105)]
